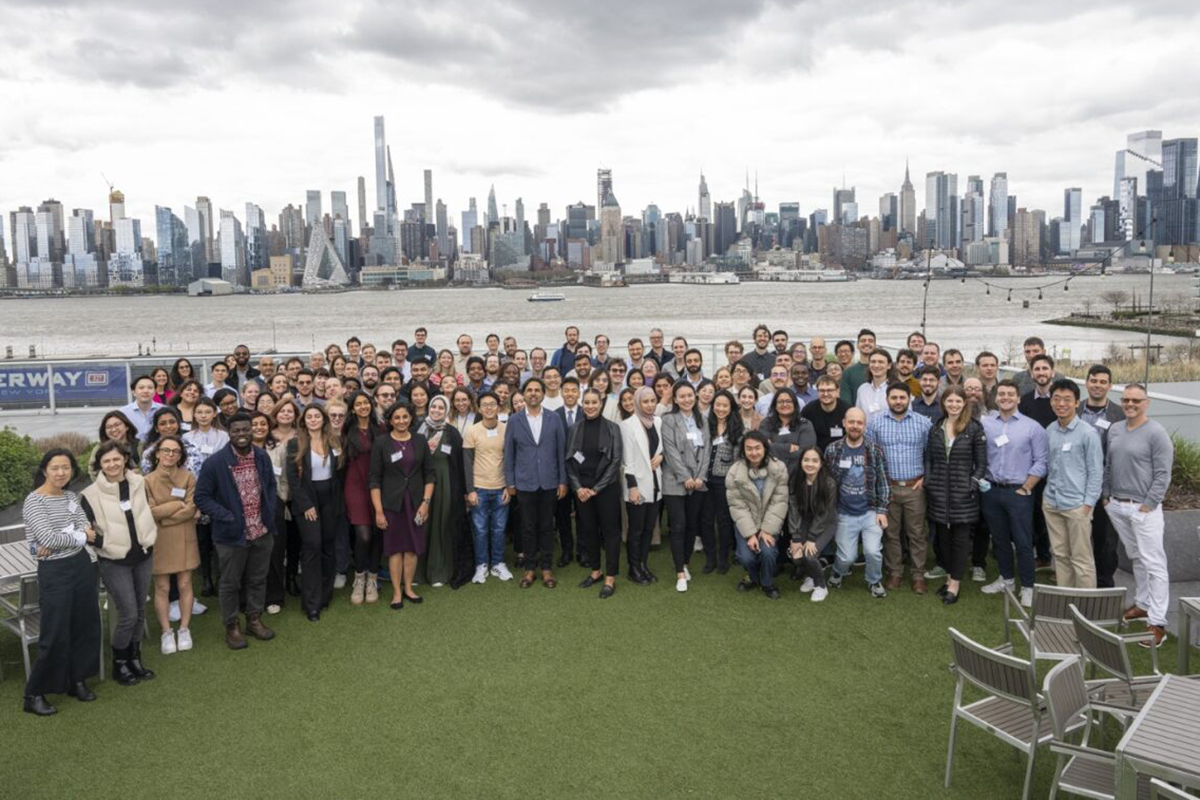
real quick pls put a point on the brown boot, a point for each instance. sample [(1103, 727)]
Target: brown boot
[(893, 581), (255, 627), (918, 584), (233, 636)]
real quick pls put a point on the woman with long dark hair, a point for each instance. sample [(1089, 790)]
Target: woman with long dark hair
[(182, 372), (757, 489), (164, 392), (205, 439), (955, 463), (358, 435), (227, 405), (812, 519), (285, 550), (115, 426), (594, 470), (789, 433), (747, 397), (725, 439), (186, 397), (171, 489), (462, 410), (314, 464), (165, 422), (57, 528), (686, 447)]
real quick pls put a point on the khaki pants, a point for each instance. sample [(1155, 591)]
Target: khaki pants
[(1070, 534), (906, 517)]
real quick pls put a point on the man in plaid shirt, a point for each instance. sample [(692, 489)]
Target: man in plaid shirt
[(860, 469)]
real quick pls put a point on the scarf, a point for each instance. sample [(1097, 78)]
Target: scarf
[(646, 419), (432, 430)]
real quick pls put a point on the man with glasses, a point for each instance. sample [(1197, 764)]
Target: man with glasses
[(658, 354), (400, 356), (826, 412), (1137, 472), (305, 383), (601, 359), (420, 349), (1074, 470)]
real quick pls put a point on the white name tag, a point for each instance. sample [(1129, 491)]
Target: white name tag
[(836, 433), (72, 507), (785, 430), (697, 438), (185, 426), (719, 440), (206, 450), (1066, 448), (125, 505), (873, 407), (844, 463), (397, 456), (578, 456), (69, 530), (278, 471), (177, 492), (1001, 440), (502, 417), (447, 449), (492, 433), (1103, 424)]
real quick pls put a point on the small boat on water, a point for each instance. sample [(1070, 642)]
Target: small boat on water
[(546, 297)]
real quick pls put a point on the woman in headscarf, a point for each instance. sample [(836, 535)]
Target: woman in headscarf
[(642, 458), (449, 497)]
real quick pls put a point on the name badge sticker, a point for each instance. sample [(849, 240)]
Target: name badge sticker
[(578, 456), (1066, 448), (177, 492), (125, 505), (844, 463), (278, 471), (719, 440), (1103, 424), (1001, 440), (492, 433), (785, 430), (447, 449), (836, 433), (72, 507)]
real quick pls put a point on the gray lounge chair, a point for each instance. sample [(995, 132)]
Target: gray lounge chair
[(1047, 625)]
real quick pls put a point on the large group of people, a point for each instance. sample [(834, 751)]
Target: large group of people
[(293, 478)]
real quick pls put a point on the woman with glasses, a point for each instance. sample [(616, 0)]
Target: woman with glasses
[(170, 488), (181, 372)]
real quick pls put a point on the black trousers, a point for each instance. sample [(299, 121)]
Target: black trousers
[(317, 543), (537, 527), (642, 518), (368, 548), (69, 644), (718, 543), (683, 520), (1041, 536), (600, 520), (276, 590), (464, 547), (1104, 547), (562, 518), (981, 538), (954, 545)]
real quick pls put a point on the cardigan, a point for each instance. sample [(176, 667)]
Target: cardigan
[(387, 476), (952, 479), (751, 511), (683, 458)]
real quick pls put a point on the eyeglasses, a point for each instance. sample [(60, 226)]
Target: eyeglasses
[(167, 451), (1132, 400)]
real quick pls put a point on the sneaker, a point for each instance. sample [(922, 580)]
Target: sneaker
[(937, 573), (372, 593), (274, 609), (1027, 597), (360, 587), (168, 643), (198, 608), (687, 575), (339, 581), (481, 573), (834, 581), (184, 637), (808, 586), (501, 571), (173, 612), (698, 547), (681, 585), (436, 585), (877, 590), (819, 594), (997, 586), (978, 574)]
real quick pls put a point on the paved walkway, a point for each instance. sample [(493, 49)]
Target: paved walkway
[(37, 425)]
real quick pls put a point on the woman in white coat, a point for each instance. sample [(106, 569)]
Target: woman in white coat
[(642, 458)]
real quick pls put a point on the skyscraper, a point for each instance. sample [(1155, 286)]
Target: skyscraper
[(1177, 217), (338, 206), (705, 207), (257, 255), (612, 234), (724, 227), (1142, 152), (1072, 238), (604, 185), (429, 195), (443, 238), (470, 218), (174, 253), (908, 204), (493, 214), (972, 225), (888, 211), (312, 208), (998, 219), (116, 207), (205, 211), (941, 210), (362, 204), (233, 248), (381, 180), (842, 198)]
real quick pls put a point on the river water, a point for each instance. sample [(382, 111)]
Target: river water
[(959, 314)]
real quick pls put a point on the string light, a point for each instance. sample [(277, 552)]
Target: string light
[(1039, 294), (1010, 295)]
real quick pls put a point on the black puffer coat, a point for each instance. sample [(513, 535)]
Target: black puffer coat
[(951, 480)]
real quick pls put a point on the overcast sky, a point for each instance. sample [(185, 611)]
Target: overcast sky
[(260, 101)]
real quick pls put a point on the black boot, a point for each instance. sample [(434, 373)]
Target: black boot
[(207, 589), (121, 671), (36, 704), (80, 691), (649, 575), (135, 662)]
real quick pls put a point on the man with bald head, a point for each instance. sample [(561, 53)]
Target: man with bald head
[(858, 467)]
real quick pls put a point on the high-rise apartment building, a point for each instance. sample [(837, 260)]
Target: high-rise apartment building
[(998, 218), (204, 209), (1177, 223), (1071, 237), (470, 218), (941, 210)]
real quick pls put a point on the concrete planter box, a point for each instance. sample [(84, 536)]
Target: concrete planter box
[(1181, 538)]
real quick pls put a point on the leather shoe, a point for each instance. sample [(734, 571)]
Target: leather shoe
[(607, 591), (564, 560), (918, 585), (1159, 635), (746, 585), (637, 576), (646, 571), (590, 581), (1134, 612), (255, 627), (949, 598), (893, 582), (36, 704), (942, 590), (313, 616), (527, 580), (771, 592), (415, 599), (233, 637), (80, 691)]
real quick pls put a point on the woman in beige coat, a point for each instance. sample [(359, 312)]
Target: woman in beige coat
[(170, 488), (757, 490)]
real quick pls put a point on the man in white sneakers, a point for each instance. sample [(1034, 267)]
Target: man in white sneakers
[(483, 463)]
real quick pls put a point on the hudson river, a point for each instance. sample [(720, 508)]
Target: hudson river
[(960, 314)]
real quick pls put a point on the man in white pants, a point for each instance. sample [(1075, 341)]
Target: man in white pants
[(1137, 472)]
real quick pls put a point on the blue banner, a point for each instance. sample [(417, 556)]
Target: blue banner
[(74, 385)]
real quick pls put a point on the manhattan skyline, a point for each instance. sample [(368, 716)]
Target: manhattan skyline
[(261, 104)]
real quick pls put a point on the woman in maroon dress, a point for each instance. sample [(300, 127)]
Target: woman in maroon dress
[(401, 479), (359, 434)]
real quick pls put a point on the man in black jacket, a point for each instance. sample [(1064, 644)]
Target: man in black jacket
[(243, 371), (1101, 413)]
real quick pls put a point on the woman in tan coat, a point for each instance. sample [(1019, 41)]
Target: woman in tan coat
[(170, 488), (756, 487)]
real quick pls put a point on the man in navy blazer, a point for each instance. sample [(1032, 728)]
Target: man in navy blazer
[(535, 471)]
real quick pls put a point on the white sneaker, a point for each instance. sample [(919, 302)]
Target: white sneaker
[(185, 639), (339, 581), (819, 594), (168, 643), (687, 575), (681, 585), (501, 572), (978, 574), (1027, 597), (481, 573), (198, 608), (173, 613), (809, 586), (997, 586), (274, 609), (437, 585), (698, 546)]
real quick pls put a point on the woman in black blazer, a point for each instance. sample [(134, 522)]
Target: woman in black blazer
[(594, 471), (402, 482), (955, 463), (314, 468)]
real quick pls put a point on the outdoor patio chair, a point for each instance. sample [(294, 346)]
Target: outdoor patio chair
[(1013, 709), (1046, 626), (1109, 651), (24, 616), (1161, 790)]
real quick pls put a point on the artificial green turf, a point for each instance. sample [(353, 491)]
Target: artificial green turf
[(501, 692)]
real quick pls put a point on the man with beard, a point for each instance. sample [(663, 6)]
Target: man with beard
[(242, 371), (369, 378)]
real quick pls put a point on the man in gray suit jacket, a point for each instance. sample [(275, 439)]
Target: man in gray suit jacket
[(535, 445)]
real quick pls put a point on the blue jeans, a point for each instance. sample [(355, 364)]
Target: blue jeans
[(760, 565), (1010, 519), (489, 518), (849, 531)]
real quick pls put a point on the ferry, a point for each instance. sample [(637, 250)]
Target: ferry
[(546, 297)]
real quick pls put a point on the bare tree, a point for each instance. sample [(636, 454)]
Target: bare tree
[(1115, 297)]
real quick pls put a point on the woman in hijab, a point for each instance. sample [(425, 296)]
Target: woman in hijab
[(642, 457), (437, 565)]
